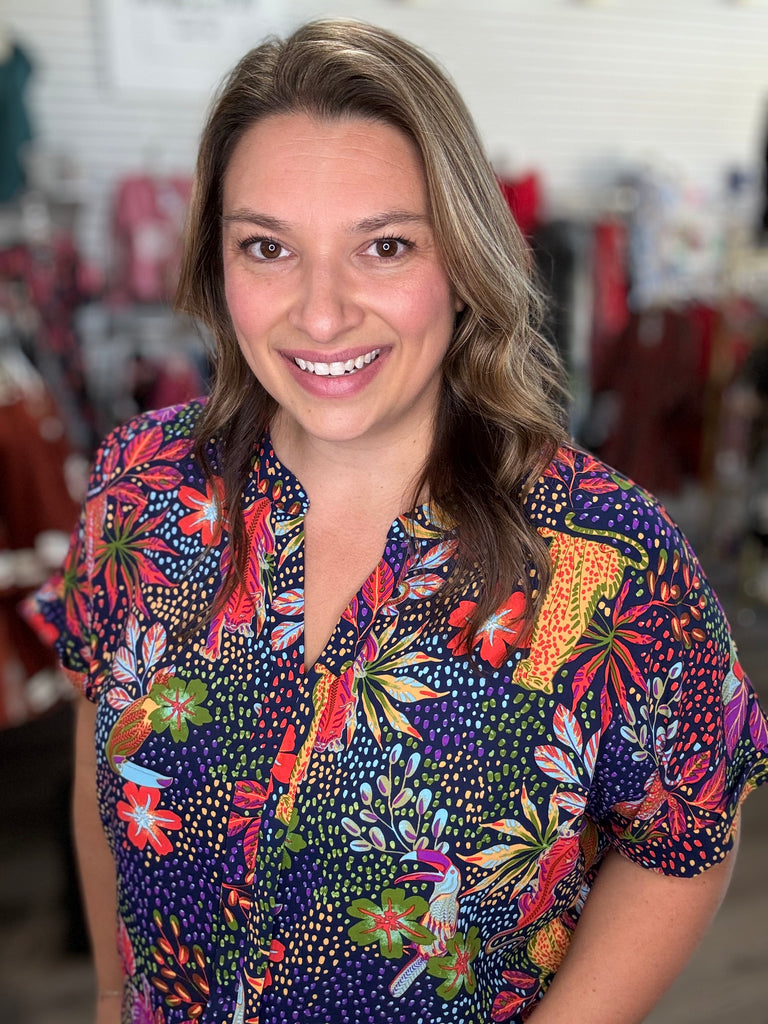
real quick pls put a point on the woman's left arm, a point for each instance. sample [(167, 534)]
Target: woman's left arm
[(636, 933)]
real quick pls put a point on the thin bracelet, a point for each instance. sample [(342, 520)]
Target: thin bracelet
[(109, 993)]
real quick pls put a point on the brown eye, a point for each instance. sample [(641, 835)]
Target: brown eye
[(387, 247), (268, 249)]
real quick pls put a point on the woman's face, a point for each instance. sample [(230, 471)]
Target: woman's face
[(334, 284)]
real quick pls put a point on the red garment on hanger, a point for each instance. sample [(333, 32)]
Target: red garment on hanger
[(611, 284), (523, 196), (656, 372), (34, 499)]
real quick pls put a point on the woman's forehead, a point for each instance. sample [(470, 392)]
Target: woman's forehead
[(289, 164)]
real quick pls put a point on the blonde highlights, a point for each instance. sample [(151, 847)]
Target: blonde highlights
[(501, 415)]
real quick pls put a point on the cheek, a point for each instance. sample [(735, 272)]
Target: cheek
[(426, 309), (249, 331), (247, 313), (438, 314), (237, 301)]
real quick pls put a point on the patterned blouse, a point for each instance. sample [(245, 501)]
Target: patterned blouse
[(399, 832)]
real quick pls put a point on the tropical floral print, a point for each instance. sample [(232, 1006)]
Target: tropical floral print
[(146, 821), (406, 830)]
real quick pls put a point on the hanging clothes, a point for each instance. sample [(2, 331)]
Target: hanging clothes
[(149, 219), (523, 196), (15, 126), (654, 374), (37, 513), (611, 283), (41, 288)]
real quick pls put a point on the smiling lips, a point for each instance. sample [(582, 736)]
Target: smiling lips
[(337, 369)]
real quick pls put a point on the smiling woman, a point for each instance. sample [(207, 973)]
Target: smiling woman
[(349, 274), (404, 708)]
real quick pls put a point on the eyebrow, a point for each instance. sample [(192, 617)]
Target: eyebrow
[(374, 223)]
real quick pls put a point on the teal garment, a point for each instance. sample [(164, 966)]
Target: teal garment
[(15, 126)]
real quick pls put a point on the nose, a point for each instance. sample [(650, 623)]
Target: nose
[(325, 305)]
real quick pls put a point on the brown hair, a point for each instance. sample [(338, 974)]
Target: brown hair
[(501, 414)]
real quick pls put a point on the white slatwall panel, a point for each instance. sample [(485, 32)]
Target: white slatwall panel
[(571, 88)]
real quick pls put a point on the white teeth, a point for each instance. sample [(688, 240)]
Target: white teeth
[(337, 369)]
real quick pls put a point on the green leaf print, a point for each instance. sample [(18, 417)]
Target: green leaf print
[(178, 704), (390, 923), (455, 966), (293, 841)]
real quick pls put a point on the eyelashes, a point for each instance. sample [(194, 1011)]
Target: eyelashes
[(390, 247), (263, 248), (266, 249)]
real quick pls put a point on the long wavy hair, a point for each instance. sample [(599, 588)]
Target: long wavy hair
[(501, 413)]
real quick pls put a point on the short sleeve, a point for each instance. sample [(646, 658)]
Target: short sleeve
[(62, 610), (118, 547), (684, 737)]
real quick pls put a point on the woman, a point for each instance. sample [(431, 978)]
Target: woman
[(345, 786)]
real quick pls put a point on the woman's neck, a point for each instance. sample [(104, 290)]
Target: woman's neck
[(360, 474)]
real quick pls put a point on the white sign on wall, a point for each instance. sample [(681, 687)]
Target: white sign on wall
[(182, 46)]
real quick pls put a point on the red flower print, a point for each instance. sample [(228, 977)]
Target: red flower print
[(502, 630), (286, 756), (205, 517), (145, 820)]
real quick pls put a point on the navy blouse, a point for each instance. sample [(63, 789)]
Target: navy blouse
[(396, 833)]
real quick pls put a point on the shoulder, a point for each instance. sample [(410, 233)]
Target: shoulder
[(580, 497), (150, 438), (173, 422)]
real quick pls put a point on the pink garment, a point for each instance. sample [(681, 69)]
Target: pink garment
[(149, 219)]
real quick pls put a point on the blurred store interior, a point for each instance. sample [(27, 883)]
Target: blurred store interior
[(630, 138)]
